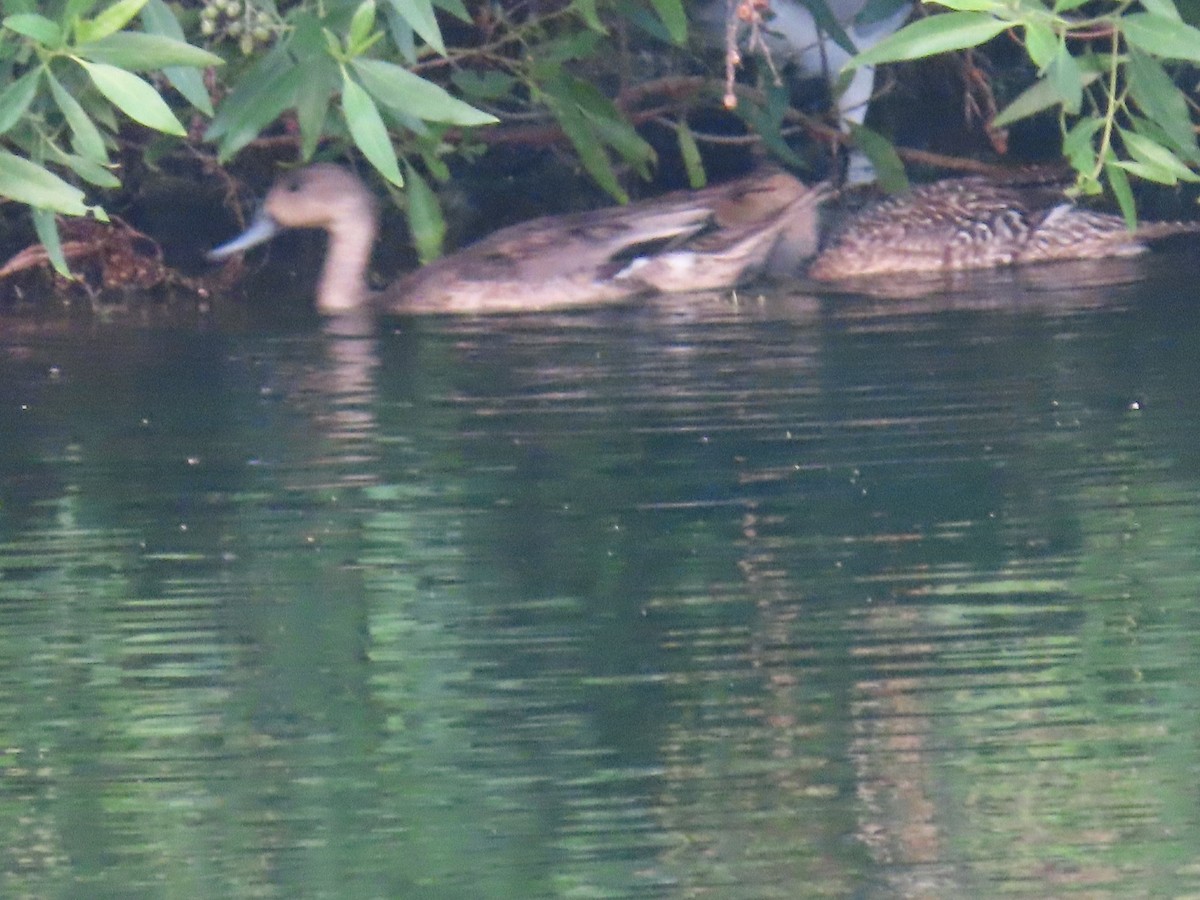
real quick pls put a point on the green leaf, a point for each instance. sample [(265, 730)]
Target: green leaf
[(889, 168), (1064, 75), (136, 51), (587, 10), (134, 97), (1121, 190), (46, 226), (361, 25), (367, 128), (157, 18), (987, 6), (425, 219), (1039, 96), (490, 85), (1156, 95), (1161, 36), (933, 35), (395, 86), (39, 28), (830, 25), (28, 183), (455, 8), (85, 136), (89, 171), (1155, 155), (1164, 9), (108, 22), (261, 95), (766, 122), (1041, 43), (693, 163), (77, 8), (313, 95), (591, 152), (15, 99), (1077, 144), (674, 18), (419, 14), (623, 137)]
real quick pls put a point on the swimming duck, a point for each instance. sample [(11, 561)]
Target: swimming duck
[(683, 241), (977, 223)]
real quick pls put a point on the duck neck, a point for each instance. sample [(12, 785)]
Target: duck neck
[(343, 284)]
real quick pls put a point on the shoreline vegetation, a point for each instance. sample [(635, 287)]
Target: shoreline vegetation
[(120, 120)]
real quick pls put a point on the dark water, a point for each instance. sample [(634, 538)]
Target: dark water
[(795, 596)]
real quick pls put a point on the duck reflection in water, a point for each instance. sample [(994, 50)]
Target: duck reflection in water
[(685, 241)]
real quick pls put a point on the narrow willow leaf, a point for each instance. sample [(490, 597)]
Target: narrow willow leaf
[(1156, 95), (395, 86), (1147, 171), (133, 96), (137, 51), (1151, 153), (987, 6), (830, 25), (933, 35), (39, 28), (1066, 78), (46, 226), (483, 85), (1039, 96), (369, 133), (1164, 9), (1077, 144), (889, 168), (587, 10), (261, 95), (158, 18), (673, 17), (419, 14), (313, 96), (89, 171), (1041, 43), (361, 25), (77, 8), (455, 8), (591, 152), (15, 99), (1161, 36), (1119, 182), (109, 21), (85, 136), (425, 219), (689, 150), (28, 183)]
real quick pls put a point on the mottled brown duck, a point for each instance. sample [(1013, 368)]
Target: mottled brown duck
[(976, 223)]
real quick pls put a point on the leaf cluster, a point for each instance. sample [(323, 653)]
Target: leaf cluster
[(1107, 68)]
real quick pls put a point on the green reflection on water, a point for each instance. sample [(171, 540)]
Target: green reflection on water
[(778, 600)]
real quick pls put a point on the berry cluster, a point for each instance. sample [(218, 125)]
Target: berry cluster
[(237, 21)]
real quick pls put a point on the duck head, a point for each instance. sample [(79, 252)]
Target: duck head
[(330, 198)]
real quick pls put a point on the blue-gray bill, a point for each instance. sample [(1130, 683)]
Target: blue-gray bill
[(261, 230)]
